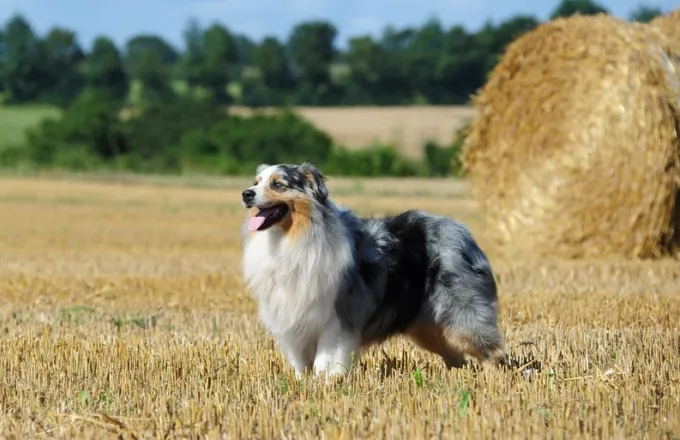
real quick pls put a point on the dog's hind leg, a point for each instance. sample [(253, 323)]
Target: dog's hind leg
[(469, 324), (465, 305), (431, 337), (485, 343)]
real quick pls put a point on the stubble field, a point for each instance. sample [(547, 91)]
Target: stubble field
[(123, 315)]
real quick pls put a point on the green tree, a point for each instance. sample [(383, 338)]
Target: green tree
[(219, 57), (245, 47), (161, 125), (567, 8), (365, 58), (482, 48), (154, 77), (89, 127), (424, 51), (376, 76), (462, 65), (397, 40), (192, 58), (104, 70), (25, 76), (63, 65), (645, 14), (396, 86), (311, 46), (270, 59), (3, 59), (141, 47)]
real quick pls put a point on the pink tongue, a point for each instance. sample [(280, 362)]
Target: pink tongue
[(255, 222)]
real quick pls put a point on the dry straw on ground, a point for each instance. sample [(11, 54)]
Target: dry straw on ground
[(574, 152), (123, 315)]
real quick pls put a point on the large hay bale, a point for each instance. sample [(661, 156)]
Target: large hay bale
[(574, 152)]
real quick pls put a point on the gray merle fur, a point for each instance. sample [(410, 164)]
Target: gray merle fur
[(413, 269)]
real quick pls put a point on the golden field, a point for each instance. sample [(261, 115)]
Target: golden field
[(123, 315)]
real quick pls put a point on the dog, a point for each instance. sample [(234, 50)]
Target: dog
[(329, 284)]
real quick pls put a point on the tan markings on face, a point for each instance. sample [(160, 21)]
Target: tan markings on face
[(277, 178), (271, 196), (298, 222), (258, 179), (274, 178), (310, 178)]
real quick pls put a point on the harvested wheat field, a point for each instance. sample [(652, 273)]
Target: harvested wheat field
[(576, 151), (123, 315)]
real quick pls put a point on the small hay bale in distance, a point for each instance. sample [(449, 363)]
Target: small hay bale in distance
[(574, 152)]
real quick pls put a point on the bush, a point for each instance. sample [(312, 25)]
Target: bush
[(198, 135), (377, 160), (77, 158), (456, 168), (438, 159), (12, 156), (90, 125), (236, 144), (153, 133)]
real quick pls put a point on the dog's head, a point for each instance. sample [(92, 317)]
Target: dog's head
[(284, 195)]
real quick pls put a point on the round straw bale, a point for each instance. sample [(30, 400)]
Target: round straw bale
[(574, 152)]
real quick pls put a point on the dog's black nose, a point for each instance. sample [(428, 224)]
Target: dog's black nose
[(248, 195)]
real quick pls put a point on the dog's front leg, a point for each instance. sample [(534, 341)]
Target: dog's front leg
[(337, 349), (297, 355)]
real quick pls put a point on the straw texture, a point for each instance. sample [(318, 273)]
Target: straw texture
[(574, 152), (669, 25)]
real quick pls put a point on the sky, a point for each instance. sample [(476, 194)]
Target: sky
[(121, 19)]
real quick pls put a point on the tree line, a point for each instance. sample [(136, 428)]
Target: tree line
[(429, 64)]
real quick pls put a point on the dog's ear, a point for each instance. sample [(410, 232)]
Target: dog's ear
[(260, 168), (316, 181)]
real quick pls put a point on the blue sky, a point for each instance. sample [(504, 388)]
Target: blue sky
[(120, 19)]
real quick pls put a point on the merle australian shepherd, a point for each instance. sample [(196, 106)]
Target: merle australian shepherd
[(329, 283)]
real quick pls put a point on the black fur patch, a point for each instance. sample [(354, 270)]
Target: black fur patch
[(409, 273), (300, 177), (296, 180), (315, 181)]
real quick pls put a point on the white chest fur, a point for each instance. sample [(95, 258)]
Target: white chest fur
[(295, 283)]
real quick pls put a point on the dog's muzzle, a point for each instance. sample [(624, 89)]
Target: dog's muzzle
[(248, 196)]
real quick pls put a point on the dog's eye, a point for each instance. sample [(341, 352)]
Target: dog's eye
[(278, 185)]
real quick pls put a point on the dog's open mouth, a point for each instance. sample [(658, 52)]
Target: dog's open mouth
[(266, 217)]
